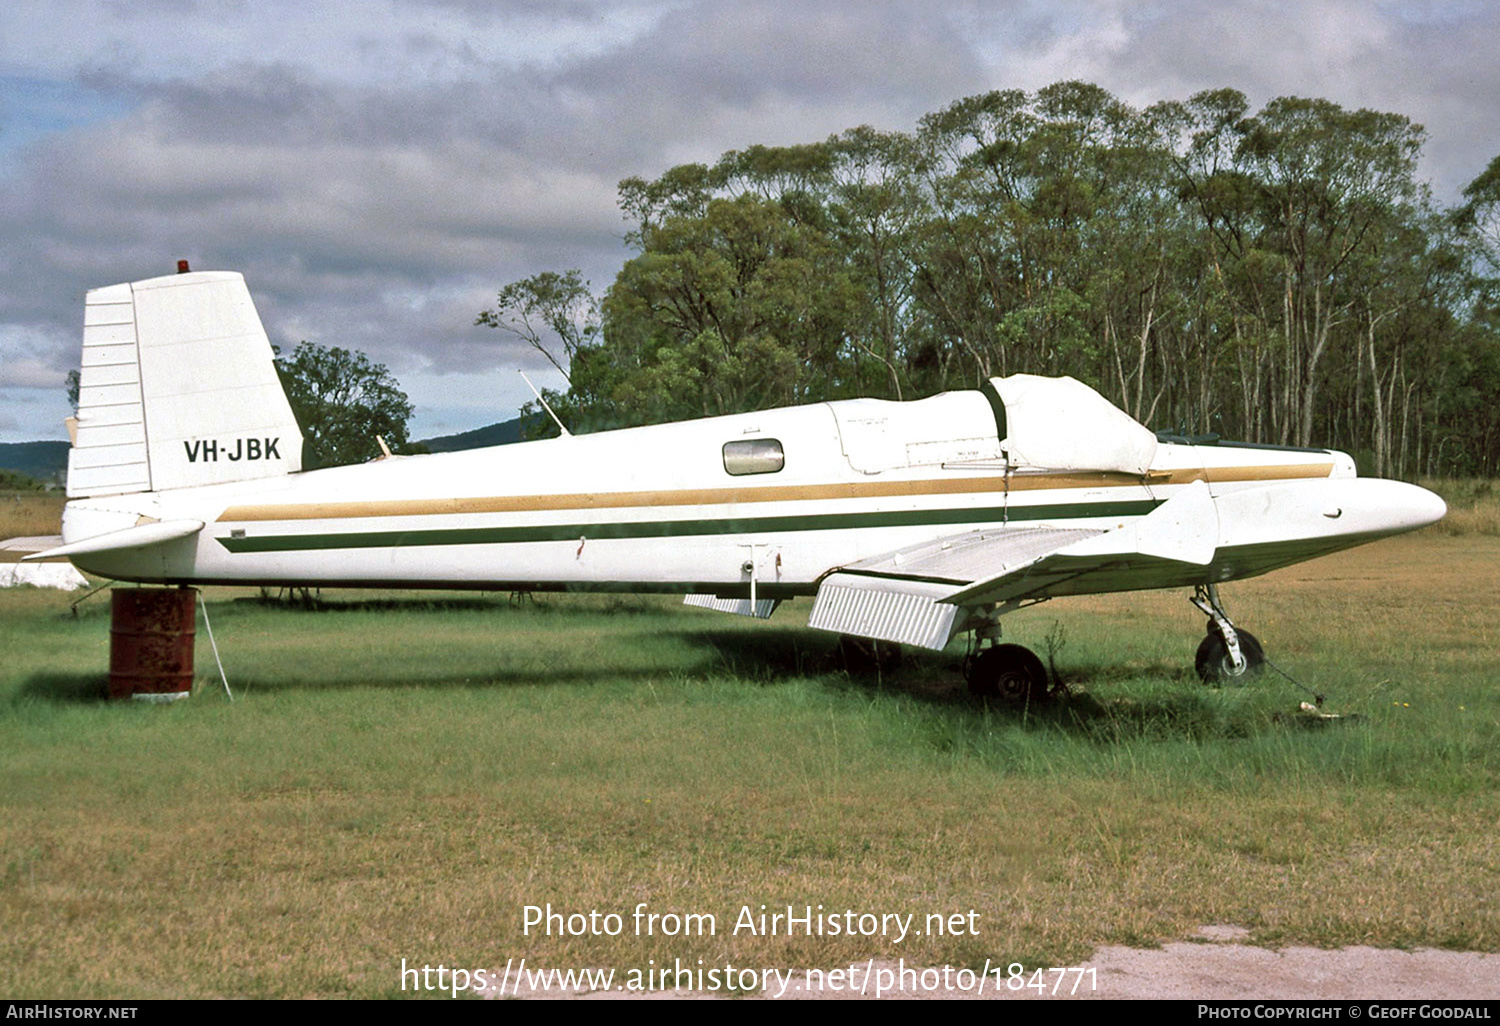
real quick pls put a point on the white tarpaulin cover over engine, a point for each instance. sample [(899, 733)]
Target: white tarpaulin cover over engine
[(1063, 424)]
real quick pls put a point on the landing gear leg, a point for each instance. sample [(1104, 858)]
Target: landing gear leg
[(1227, 654), (866, 655)]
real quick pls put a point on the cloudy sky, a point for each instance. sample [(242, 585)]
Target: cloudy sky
[(377, 170)]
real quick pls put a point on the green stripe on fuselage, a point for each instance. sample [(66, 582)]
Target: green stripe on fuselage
[(622, 529)]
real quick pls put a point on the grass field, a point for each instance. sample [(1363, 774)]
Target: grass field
[(399, 776), (25, 514)]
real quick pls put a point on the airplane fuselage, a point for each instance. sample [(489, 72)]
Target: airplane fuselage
[(687, 508)]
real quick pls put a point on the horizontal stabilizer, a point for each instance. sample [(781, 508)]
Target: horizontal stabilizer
[(761, 609), (131, 538)]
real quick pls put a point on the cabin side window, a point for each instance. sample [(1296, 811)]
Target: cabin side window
[(753, 456)]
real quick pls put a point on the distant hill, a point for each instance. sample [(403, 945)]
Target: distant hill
[(503, 433), (48, 461), (44, 461)]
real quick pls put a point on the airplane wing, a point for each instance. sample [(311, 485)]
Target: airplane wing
[(915, 596)]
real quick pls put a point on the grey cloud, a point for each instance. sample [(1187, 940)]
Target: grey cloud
[(738, 53), (377, 176), (31, 372), (707, 62), (1433, 64)]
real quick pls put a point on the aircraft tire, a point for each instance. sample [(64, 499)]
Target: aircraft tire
[(1213, 663), (1011, 673)]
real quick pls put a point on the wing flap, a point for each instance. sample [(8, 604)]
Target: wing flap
[(904, 611), (761, 609)]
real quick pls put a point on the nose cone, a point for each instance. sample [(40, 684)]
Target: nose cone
[(1406, 507), (1427, 507), (1365, 508)]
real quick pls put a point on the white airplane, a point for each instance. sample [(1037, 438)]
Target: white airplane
[(908, 522)]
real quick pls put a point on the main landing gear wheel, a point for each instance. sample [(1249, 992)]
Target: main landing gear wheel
[(1215, 666), (1009, 672)]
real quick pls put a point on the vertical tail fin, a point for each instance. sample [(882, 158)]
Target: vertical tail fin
[(178, 389)]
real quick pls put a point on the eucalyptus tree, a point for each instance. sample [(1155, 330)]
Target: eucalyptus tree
[(1480, 217), (1277, 275), (1222, 271), (345, 404), (874, 203), (738, 309), (560, 304), (971, 267), (1328, 177)]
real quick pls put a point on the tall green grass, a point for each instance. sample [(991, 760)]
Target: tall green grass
[(1473, 506)]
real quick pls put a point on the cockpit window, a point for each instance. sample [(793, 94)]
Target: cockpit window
[(753, 456)]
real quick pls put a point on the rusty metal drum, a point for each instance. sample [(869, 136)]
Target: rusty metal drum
[(151, 643)]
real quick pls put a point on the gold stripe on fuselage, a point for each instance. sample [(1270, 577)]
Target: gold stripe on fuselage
[(774, 493)]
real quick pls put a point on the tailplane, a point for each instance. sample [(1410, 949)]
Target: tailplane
[(178, 389)]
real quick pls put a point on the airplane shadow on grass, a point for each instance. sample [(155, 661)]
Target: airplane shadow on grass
[(1091, 703), (82, 688)]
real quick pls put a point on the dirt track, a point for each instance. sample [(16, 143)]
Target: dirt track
[(1216, 964)]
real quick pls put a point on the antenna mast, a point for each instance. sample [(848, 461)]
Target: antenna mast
[(565, 432)]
